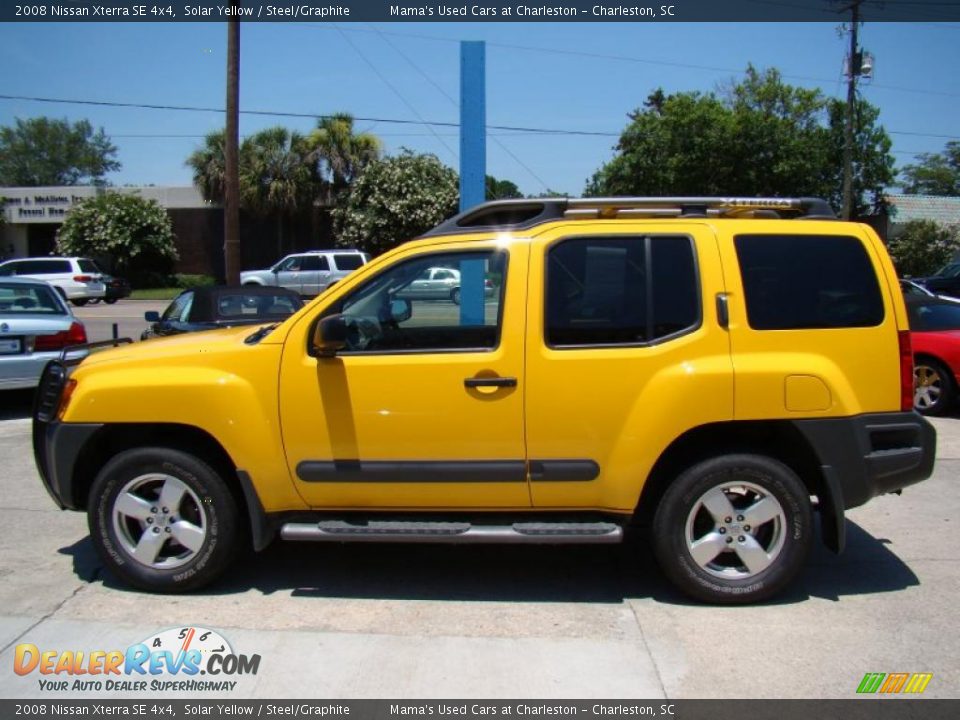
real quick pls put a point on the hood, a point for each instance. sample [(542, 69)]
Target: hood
[(186, 346)]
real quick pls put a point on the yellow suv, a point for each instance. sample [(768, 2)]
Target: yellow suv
[(714, 369)]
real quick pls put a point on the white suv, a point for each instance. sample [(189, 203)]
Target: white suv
[(78, 280), (308, 273)]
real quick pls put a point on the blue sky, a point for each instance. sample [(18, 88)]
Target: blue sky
[(584, 77)]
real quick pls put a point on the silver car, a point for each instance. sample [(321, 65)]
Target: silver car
[(439, 283), (308, 273), (35, 326)]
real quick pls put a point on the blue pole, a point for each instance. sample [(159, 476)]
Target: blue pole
[(473, 167)]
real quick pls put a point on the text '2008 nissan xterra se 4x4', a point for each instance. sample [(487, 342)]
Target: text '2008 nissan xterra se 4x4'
[(712, 368)]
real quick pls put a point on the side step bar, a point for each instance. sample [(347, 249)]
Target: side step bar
[(587, 533)]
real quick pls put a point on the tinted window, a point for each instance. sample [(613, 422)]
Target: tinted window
[(348, 262), (314, 263), (8, 269), (44, 267), (933, 317), (377, 322), (250, 306), (620, 291), (29, 299), (89, 266), (796, 282)]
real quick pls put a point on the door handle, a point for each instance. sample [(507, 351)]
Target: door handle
[(497, 382)]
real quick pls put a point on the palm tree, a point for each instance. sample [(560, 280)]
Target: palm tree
[(339, 154), (277, 176), (209, 167)]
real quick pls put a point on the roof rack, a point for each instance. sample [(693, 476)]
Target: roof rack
[(525, 214)]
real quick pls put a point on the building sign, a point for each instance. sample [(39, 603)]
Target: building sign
[(41, 205)]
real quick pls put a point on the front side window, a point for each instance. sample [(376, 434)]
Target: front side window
[(794, 282), (604, 291), (396, 312)]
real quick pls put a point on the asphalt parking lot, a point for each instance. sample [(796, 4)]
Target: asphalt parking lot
[(404, 621)]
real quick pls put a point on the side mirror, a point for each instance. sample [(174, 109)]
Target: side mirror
[(151, 316), (401, 310), (329, 336)]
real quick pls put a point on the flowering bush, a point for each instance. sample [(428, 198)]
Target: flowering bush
[(134, 232)]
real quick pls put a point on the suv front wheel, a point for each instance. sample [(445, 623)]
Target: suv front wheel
[(162, 519), (733, 529)]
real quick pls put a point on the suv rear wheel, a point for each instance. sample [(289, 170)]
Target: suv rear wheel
[(733, 529), (162, 519)]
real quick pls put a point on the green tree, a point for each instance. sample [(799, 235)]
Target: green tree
[(935, 173), (44, 151), (922, 247), (759, 137), (135, 233), (276, 177), (339, 153), (501, 189), (208, 164), (395, 199), (873, 167)]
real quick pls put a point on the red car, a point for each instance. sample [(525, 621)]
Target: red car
[(935, 336)]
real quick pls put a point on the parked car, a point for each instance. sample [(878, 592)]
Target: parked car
[(439, 283), (912, 288), (116, 289), (935, 337), (946, 281), (308, 273), (209, 308), (77, 279), (35, 326), (715, 369)]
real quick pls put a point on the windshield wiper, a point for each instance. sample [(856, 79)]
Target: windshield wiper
[(260, 334)]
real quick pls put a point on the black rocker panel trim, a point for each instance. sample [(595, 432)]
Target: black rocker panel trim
[(446, 471)]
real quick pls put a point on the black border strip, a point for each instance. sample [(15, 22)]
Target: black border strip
[(446, 471)]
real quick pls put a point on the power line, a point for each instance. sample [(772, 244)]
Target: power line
[(509, 130), (454, 102), (632, 59), (311, 116)]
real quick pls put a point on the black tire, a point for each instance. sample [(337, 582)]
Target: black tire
[(727, 579), (207, 504), (935, 390), (455, 296), (110, 301), (79, 302)]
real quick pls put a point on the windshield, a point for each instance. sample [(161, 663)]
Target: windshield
[(951, 270)]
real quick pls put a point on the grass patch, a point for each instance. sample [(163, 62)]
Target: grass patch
[(156, 294)]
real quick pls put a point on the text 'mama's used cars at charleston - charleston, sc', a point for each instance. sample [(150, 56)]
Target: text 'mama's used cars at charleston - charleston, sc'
[(36, 324), (209, 308)]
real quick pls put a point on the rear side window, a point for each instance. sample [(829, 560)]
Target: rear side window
[(795, 282), (44, 267), (620, 291), (88, 266), (348, 262)]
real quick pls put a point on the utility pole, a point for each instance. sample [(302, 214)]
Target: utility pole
[(231, 199), (853, 72)]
